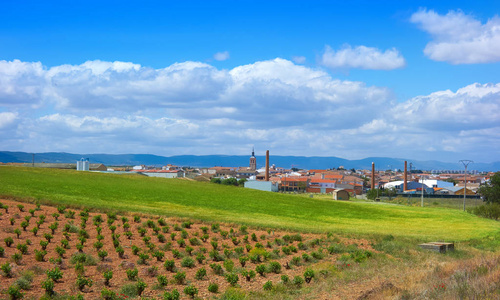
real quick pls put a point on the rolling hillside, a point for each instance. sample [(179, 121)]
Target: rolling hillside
[(211, 202)]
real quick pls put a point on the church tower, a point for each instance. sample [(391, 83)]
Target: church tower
[(253, 161)]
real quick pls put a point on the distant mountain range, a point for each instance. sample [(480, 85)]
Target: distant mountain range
[(301, 162)]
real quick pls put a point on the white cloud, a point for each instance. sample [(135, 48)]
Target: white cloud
[(459, 38), (362, 57), (221, 56), (21, 83), (472, 107), (195, 108), (7, 119)]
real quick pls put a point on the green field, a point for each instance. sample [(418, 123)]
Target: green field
[(212, 202)]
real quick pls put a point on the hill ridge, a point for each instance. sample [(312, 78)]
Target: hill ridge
[(302, 162)]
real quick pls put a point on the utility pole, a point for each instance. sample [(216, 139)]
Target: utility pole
[(422, 178), (465, 162)]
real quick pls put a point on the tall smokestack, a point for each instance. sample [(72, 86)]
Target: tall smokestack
[(267, 165), (405, 184), (373, 175)]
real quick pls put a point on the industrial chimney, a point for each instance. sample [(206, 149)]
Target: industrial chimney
[(267, 165), (373, 175), (405, 184)]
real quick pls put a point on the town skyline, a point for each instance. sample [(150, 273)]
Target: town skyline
[(288, 162), (320, 78)]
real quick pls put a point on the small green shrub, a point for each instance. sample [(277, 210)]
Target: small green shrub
[(24, 282), (17, 257), (285, 279), (120, 251), (8, 241), (268, 286), (191, 291), (143, 259), (298, 281), (176, 253), (48, 237), (84, 258), (158, 255), (180, 277), (213, 288), (98, 245), (188, 262), (24, 224), (23, 248), (243, 260), (129, 290), (132, 274), (275, 267), (309, 275), (173, 295), (232, 279), (6, 269), (215, 255), (40, 255), (81, 282), (14, 292), (108, 294), (141, 286), (248, 274), (54, 274), (108, 275), (60, 251), (44, 244), (200, 257), (169, 265), (200, 274), (217, 269), (48, 286), (261, 269), (162, 280), (34, 230), (228, 265)]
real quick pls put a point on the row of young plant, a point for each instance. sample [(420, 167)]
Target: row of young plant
[(256, 254)]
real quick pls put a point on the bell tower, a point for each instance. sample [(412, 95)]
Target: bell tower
[(253, 161)]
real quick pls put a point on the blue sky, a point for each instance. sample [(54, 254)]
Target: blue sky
[(353, 79)]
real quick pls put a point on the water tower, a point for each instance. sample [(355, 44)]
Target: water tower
[(82, 164)]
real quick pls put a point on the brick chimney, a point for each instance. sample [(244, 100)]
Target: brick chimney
[(267, 165)]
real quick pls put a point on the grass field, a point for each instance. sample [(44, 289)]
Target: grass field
[(211, 202)]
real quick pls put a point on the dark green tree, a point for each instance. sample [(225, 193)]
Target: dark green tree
[(230, 181), (215, 180), (491, 190)]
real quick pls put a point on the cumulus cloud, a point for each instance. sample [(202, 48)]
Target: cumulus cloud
[(21, 83), (193, 107), (459, 38), (471, 107), (221, 56), (7, 119), (362, 57)]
